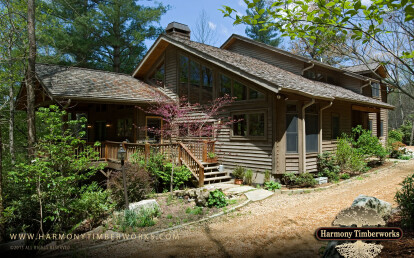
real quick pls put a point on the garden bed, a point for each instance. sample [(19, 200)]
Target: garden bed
[(400, 248)]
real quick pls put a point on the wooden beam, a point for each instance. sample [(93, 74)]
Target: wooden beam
[(365, 109)]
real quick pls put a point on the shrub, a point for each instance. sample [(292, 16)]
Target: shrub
[(217, 199), (349, 158), (272, 185), (132, 219), (395, 136), (181, 175), (345, 176), (404, 197), (367, 144), (248, 177), (238, 172), (94, 205), (300, 180), (138, 181), (327, 166), (404, 157), (267, 176), (397, 149)]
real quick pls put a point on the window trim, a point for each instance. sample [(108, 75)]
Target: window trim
[(242, 82), (247, 112), (292, 102)]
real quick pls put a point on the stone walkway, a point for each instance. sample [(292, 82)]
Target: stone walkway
[(253, 194)]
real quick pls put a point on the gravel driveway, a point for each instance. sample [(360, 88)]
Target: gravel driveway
[(281, 226)]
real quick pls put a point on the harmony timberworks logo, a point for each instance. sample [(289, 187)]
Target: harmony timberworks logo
[(358, 224)]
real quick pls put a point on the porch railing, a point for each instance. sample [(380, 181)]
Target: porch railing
[(191, 162)]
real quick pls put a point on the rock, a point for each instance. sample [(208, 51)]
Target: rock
[(381, 207), (330, 250), (145, 204), (202, 197)]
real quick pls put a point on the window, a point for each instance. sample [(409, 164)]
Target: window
[(196, 81), (335, 126), (124, 127), (381, 132), (249, 125), (158, 78), (311, 126), (236, 89), (291, 128), (375, 89), (321, 76), (154, 127)]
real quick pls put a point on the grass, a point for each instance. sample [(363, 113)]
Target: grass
[(169, 216), (195, 211)]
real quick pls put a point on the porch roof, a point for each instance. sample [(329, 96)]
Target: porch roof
[(87, 84)]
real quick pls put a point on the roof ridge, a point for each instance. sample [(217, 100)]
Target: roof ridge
[(84, 68)]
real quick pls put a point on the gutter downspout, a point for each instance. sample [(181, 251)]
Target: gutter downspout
[(307, 68), (320, 125), (304, 134), (365, 85)]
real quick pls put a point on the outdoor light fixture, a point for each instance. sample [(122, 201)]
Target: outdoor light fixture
[(108, 125), (121, 154), (89, 126)]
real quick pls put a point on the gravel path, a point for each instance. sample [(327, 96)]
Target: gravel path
[(282, 225)]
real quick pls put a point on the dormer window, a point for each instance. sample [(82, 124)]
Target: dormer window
[(375, 89)]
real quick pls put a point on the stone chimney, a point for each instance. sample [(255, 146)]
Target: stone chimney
[(178, 29)]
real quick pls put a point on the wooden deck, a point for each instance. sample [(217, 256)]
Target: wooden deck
[(194, 155)]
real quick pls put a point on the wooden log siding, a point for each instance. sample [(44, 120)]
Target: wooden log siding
[(249, 153), (171, 70), (268, 56)]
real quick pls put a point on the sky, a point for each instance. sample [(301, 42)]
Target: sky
[(188, 11)]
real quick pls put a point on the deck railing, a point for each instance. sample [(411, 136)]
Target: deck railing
[(190, 154)]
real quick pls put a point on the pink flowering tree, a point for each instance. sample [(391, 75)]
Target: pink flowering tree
[(181, 118)]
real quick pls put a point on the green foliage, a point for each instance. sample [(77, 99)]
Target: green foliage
[(239, 172), (217, 199), (395, 136), (130, 219), (272, 185), (57, 179), (299, 180), (211, 155), (406, 129), (404, 197), (248, 176), (397, 149), (267, 176), (367, 144), (404, 157), (195, 211), (139, 184), (345, 176), (328, 166)]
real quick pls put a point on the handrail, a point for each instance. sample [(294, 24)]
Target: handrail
[(192, 163)]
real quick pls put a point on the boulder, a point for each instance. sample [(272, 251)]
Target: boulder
[(202, 197), (145, 204), (381, 207), (330, 250)]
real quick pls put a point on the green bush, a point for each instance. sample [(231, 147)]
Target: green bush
[(404, 157), (239, 172), (130, 219), (300, 180), (397, 149), (349, 158), (267, 176), (328, 166), (395, 136), (94, 205), (138, 181), (248, 177), (404, 197), (405, 129), (272, 185), (367, 144), (345, 176), (181, 175), (217, 199)]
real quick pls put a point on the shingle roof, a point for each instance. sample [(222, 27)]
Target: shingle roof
[(82, 83), (275, 76), (363, 67)]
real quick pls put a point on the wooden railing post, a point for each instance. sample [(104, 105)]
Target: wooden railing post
[(147, 151), (204, 150), (179, 156), (201, 177), (106, 151)]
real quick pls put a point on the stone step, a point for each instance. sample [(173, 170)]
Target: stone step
[(217, 178)]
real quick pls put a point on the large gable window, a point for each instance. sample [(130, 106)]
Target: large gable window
[(196, 81), (158, 77), (250, 125), (238, 90)]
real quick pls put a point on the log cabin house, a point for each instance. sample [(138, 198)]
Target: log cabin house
[(290, 108)]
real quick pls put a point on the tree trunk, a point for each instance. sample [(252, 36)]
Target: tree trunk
[(117, 59), (30, 83), (412, 134), (11, 108), (2, 228)]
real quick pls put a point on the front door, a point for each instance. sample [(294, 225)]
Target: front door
[(100, 131)]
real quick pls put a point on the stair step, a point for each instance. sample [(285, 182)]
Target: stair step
[(211, 168), (214, 173), (216, 178), (209, 164)]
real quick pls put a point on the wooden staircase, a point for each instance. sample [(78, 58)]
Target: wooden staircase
[(213, 175)]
